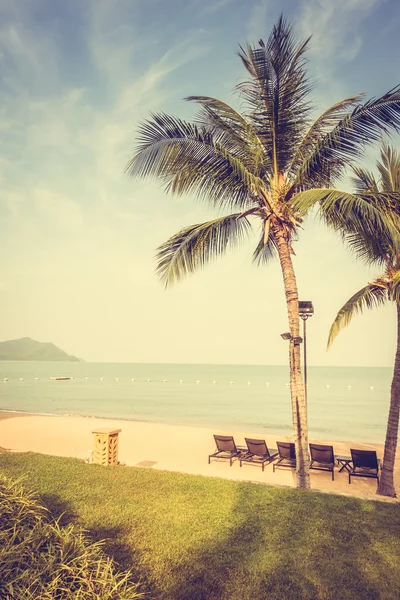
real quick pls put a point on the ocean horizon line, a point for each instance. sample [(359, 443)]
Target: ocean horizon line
[(123, 362)]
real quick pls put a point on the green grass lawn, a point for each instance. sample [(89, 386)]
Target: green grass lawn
[(199, 538)]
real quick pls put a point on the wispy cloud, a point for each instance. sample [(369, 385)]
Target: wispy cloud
[(74, 129), (27, 61), (256, 26), (211, 7), (336, 31)]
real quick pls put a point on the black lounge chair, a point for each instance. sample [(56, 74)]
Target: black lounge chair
[(257, 453), (226, 448), (322, 458), (287, 456), (364, 464)]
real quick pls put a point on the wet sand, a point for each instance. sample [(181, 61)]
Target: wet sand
[(12, 415)]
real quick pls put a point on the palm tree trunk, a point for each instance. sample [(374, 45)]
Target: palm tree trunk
[(386, 483), (299, 405)]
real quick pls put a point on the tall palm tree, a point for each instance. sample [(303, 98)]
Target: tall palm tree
[(269, 163), (385, 288)]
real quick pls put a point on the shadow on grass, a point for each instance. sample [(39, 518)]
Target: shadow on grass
[(114, 545), (59, 508), (309, 550), (111, 537), (126, 557)]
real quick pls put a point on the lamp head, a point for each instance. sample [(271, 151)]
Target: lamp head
[(306, 309), (296, 340)]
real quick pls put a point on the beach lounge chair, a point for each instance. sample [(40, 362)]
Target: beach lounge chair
[(226, 448), (364, 464), (257, 453), (287, 456), (322, 458)]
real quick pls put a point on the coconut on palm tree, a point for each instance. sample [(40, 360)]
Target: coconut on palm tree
[(268, 163), (385, 193)]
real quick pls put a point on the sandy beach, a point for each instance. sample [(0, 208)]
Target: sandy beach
[(171, 448)]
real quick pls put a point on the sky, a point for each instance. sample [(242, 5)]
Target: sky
[(78, 236)]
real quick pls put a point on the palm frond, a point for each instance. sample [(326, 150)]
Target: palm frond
[(385, 196), (234, 131), (368, 297), (277, 92), (222, 116), (369, 249), (322, 125), (355, 217), (194, 246), (394, 288), (187, 158), (340, 147), (389, 170), (364, 181), (266, 249), (222, 109)]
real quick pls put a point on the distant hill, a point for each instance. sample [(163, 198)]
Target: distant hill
[(28, 349)]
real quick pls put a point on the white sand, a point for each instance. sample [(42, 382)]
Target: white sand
[(171, 448)]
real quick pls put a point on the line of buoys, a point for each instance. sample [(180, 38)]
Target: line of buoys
[(214, 382)]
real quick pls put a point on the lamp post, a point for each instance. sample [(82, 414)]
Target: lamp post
[(306, 310)]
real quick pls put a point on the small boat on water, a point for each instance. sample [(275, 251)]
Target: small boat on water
[(60, 378)]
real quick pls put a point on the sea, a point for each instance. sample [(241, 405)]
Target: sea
[(344, 403)]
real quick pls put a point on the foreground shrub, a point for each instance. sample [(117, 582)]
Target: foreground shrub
[(41, 560)]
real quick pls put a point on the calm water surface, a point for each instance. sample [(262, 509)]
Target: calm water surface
[(344, 403)]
